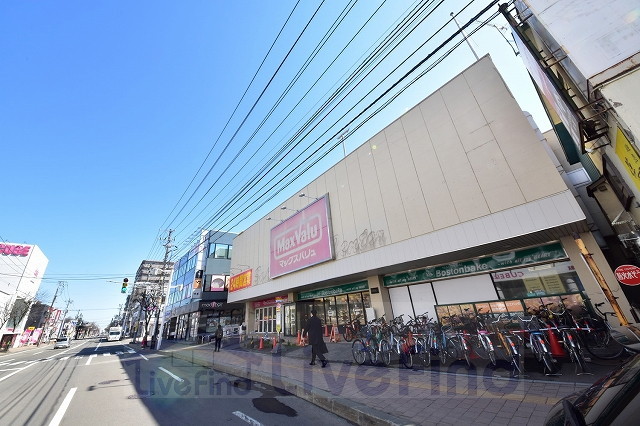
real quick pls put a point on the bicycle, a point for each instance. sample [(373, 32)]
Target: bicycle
[(596, 335), (511, 343), (351, 329), (398, 344), (538, 343), (566, 327), (365, 346)]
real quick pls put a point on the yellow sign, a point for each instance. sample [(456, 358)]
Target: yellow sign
[(278, 328), (552, 284), (240, 281), (31, 328), (628, 155)]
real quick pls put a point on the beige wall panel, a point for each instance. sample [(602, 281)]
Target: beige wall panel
[(336, 209), (494, 175), (379, 228), (413, 201), (359, 203), (346, 205), (434, 186), (396, 218), (469, 122), (463, 186)]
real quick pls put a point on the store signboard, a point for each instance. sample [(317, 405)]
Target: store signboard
[(303, 240), (271, 302), (510, 259), (628, 274), (334, 291), (629, 156), (240, 281)]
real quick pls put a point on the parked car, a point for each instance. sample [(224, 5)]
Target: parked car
[(62, 342), (612, 400)]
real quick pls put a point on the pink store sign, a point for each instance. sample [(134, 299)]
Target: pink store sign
[(303, 240)]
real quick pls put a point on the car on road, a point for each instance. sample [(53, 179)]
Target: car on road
[(612, 400), (62, 342)]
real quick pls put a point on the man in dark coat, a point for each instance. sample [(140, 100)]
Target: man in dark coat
[(313, 329)]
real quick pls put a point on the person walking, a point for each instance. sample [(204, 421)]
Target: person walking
[(313, 330), (218, 337)]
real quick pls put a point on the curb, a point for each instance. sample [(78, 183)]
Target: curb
[(350, 410)]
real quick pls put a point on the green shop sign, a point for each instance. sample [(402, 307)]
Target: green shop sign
[(334, 291), (510, 259)]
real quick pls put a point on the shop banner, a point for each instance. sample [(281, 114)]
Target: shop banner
[(303, 240), (510, 259), (334, 291), (242, 280)]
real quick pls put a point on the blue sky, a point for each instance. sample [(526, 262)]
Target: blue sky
[(111, 108)]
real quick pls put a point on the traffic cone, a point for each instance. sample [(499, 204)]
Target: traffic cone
[(275, 342), (326, 330), (261, 346), (334, 335), (298, 340), (555, 346)]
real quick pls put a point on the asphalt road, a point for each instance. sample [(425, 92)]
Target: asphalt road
[(111, 383)]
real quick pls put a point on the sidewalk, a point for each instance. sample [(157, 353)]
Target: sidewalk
[(377, 395)]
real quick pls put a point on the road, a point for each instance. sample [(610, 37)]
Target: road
[(111, 383)]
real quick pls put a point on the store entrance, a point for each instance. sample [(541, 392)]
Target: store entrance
[(303, 313)]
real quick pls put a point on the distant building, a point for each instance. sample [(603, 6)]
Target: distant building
[(197, 300), (22, 267)]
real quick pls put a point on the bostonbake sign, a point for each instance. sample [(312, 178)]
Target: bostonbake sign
[(302, 240), (14, 249)]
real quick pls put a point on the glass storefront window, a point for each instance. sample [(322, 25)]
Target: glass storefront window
[(318, 305), (541, 280), (265, 320), (330, 303), (342, 309)]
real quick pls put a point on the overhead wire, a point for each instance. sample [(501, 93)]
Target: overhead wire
[(448, 40)]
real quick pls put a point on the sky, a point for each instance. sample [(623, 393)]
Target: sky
[(121, 120)]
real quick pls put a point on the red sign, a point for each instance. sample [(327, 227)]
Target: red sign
[(242, 280), (14, 249), (628, 274)]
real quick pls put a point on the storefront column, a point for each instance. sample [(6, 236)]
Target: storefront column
[(591, 286), (380, 302)]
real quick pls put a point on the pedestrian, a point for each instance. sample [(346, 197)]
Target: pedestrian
[(218, 336), (243, 331), (313, 330)]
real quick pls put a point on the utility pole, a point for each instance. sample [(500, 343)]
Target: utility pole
[(464, 35), (167, 246), (48, 314), (66, 309)]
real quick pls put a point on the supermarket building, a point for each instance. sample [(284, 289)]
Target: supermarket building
[(455, 206)]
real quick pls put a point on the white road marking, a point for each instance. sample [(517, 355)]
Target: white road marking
[(18, 370), (63, 408), (90, 358), (17, 362), (171, 374), (63, 358), (7, 361), (97, 347), (119, 353), (144, 357), (41, 352), (247, 419)]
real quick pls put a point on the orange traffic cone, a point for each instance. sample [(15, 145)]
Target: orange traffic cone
[(326, 330), (298, 340), (555, 346), (261, 343), (334, 335), (275, 342)]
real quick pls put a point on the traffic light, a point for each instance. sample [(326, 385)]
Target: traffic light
[(125, 282)]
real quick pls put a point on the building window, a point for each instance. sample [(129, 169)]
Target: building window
[(265, 320)]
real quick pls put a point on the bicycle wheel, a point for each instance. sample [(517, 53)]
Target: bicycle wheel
[(488, 346), (477, 344), (513, 352), (372, 347), (348, 334), (423, 352), (600, 344), (405, 354), (543, 356), (385, 353), (359, 351), (575, 351), (448, 352)]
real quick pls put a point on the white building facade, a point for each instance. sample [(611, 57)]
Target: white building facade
[(456, 205), (22, 267)]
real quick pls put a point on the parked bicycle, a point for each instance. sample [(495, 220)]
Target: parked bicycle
[(351, 329), (535, 334)]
